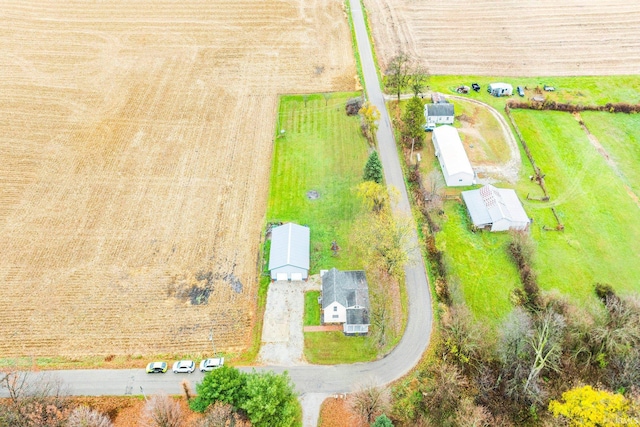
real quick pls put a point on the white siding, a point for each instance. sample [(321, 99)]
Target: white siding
[(335, 313)]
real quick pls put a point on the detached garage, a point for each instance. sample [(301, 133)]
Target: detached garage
[(453, 159), (498, 209), (289, 254)]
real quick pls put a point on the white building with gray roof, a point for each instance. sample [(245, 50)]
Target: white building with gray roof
[(345, 299), (438, 114), (289, 253)]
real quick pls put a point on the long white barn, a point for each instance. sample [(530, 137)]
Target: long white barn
[(454, 162)]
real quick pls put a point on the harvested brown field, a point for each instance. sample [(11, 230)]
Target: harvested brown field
[(135, 147), (511, 37)]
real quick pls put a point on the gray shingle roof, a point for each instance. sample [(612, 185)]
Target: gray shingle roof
[(350, 289), (289, 246), (443, 109)]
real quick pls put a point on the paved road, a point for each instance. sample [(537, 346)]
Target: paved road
[(312, 382)]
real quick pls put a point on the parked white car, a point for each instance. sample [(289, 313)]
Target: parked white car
[(210, 364), (187, 366)]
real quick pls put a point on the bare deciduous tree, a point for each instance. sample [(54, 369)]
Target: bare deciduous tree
[(399, 73), (419, 79), (35, 400), (222, 414), (162, 411), (87, 417), (368, 402)]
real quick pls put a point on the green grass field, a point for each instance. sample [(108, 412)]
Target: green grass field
[(600, 241), (322, 150), (311, 308), (328, 348), (619, 134), (597, 202), (584, 90)]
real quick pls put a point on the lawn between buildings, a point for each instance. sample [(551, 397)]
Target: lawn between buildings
[(321, 149), (595, 197)]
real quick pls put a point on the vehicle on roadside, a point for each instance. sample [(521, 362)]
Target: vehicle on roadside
[(549, 88), (157, 368), (186, 366), (520, 91), (212, 363)]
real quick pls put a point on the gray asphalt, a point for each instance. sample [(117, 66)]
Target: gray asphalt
[(311, 379)]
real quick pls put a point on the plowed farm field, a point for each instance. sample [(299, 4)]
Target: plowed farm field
[(135, 146), (510, 37)]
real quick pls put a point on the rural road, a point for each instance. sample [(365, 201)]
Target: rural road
[(313, 382)]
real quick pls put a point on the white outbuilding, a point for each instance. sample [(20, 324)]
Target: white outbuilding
[(498, 209), (500, 89), (289, 253), (454, 162)]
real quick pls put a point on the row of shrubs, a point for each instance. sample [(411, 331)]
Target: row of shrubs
[(618, 107)]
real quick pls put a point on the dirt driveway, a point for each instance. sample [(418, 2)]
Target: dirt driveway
[(282, 337)]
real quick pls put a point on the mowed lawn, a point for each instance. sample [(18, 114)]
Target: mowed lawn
[(619, 134), (597, 204), (480, 271), (322, 150), (600, 240)]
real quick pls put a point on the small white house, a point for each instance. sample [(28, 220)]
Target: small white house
[(454, 162), (289, 253), (498, 209), (345, 299), (500, 89), (440, 113)]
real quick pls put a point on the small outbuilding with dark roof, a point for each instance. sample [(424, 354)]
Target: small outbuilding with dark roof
[(289, 253), (437, 114), (345, 299)]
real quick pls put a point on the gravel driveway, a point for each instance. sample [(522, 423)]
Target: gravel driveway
[(282, 337)]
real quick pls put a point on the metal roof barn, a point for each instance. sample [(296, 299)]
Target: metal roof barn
[(454, 162), (289, 254), (497, 208)]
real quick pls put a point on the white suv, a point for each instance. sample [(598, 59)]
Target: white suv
[(184, 366), (210, 364)]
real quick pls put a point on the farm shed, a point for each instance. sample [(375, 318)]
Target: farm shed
[(345, 299), (453, 159), (500, 89), (289, 254), (441, 113), (496, 208)]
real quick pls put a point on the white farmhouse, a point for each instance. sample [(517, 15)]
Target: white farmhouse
[(453, 159), (498, 209), (289, 253), (437, 114), (345, 299)]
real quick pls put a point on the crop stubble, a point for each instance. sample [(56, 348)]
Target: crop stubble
[(135, 146), (512, 37)]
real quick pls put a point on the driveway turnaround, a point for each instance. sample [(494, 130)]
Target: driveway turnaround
[(312, 382), (282, 334)]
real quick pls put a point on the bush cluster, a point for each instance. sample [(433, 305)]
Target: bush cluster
[(618, 107)]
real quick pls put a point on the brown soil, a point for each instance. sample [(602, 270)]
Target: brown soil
[(511, 37), (135, 146)]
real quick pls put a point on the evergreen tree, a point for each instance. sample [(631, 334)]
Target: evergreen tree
[(373, 169), (413, 123)]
